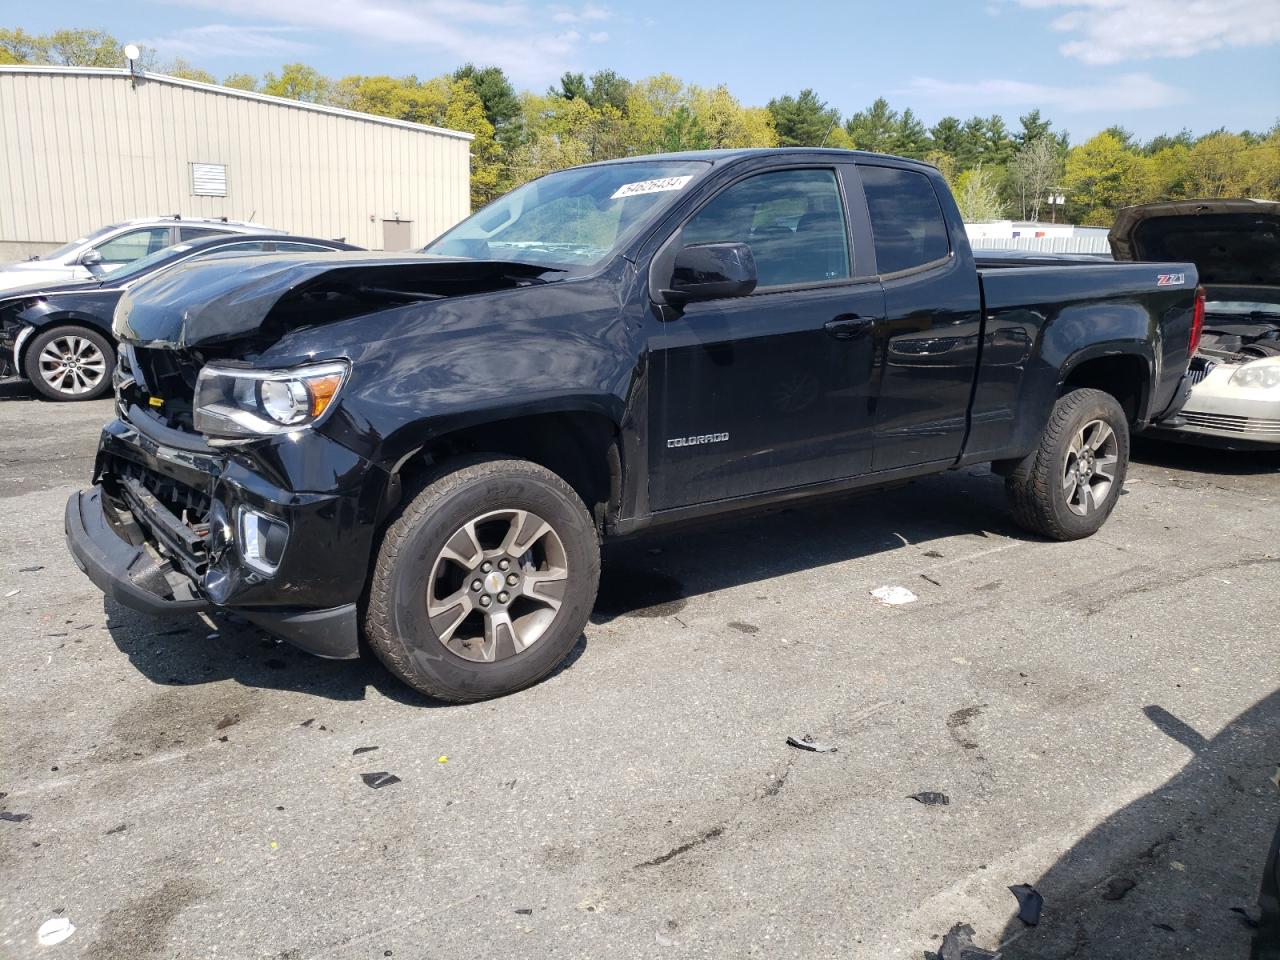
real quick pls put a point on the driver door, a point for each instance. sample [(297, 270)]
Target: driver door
[(769, 391)]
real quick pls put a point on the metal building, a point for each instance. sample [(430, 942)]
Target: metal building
[(83, 147)]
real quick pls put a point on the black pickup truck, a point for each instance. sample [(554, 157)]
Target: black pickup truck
[(428, 449)]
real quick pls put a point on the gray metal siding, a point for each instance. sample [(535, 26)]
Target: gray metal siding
[(80, 149)]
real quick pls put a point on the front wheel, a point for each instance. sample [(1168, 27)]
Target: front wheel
[(1069, 486), (70, 363), (484, 582)]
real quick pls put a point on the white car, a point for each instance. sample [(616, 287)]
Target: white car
[(115, 246), (1235, 374)]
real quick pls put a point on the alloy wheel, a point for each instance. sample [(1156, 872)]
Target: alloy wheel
[(72, 365), (497, 585), (1090, 468)]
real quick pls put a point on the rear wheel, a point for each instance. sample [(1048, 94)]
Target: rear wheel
[(484, 581), (1068, 488), (70, 363)]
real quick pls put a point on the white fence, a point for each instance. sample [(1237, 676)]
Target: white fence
[(1075, 244)]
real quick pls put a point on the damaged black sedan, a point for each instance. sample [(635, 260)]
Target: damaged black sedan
[(427, 450)]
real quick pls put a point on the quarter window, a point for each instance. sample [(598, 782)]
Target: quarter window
[(906, 219), (793, 221)]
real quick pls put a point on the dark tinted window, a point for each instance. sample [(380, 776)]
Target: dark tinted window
[(195, 233), (792, 219), (905, 218)]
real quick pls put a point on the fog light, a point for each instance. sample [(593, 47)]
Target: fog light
[(262, 540)]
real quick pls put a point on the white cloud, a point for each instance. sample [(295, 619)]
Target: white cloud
[(1113, 31), (1132, 91), (531, 47), (598, 36), (226, 40), (586, 13)]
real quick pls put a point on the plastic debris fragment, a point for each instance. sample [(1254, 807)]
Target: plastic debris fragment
[(54, 931), (1030, 903), (930, 798), (359, 750), (1117, 887), (958, 945), (379, 779), (894, 596), (14, 817), (813, 746)]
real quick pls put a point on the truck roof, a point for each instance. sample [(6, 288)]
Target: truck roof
[(740, 153)]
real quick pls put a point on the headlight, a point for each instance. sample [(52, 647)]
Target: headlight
[(242, 402), (1263, 374)]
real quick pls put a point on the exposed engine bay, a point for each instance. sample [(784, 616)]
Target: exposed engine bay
[(1239, 338)]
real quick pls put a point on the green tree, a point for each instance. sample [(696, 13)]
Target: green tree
[(297, 81), (947, 136), (1034, 173), (186, 71), (911, 139), (874, 129), (1034, 127), (501, 104), (240, 81), (1101, 176), (608, 89), (727, 122), (682, 131), (803, 121), (69, 48), (977, 197)]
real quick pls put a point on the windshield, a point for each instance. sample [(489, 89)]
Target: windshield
[(571, 219), (68, 248), (1240, 307)]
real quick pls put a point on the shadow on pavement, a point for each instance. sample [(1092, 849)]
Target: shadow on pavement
[(1210, 460), (18, 389), (187, 651), (1162, 876), (654, 575)]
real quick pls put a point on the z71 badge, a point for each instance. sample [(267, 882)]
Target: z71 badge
[(1171, 279)]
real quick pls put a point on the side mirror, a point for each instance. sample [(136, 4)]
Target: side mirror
[(90, 259), (711, 271)]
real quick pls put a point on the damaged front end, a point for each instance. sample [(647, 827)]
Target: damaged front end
[(228, 481)]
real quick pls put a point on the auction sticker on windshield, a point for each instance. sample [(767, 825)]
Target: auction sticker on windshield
[(662, 185)]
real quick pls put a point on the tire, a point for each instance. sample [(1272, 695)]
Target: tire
[(451, 648), (1045, 490), (70, 363)]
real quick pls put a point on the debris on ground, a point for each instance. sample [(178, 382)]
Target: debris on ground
[(230, 720), (308, 722), (933, 554), (1030, 903), (13, 593), (894, 596), (119, 829), (442, 759), (1164, 926), (359, 750), (1246, 916), (813, 746), (379, 779), (525, 912), (930, 798), (1117, 887), (958, 945), (29, 569), (14, 817), (926, 577), (54, 931)]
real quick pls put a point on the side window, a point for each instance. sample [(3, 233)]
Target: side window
[(249, 246), (793, 221), (195, 233), (286, 246), (134, 245), (906, 219)]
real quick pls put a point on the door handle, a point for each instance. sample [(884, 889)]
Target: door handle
[(849, 326)]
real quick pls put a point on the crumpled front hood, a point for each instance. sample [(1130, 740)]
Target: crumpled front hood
[(266, 296), (1231, 242)]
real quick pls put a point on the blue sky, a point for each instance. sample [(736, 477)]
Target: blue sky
[(1150, 65)]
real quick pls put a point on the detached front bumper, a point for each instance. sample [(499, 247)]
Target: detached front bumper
[(161, 532)]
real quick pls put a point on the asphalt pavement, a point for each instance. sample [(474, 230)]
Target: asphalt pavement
[(1103, 718)]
